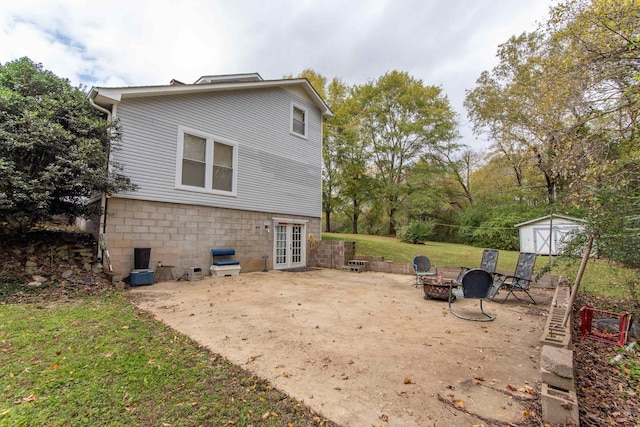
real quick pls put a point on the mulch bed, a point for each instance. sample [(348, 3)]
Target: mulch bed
[(607, 394)]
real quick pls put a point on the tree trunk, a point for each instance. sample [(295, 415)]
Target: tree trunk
[(392, 221), (354, 224), (327, 221), (355, 217)]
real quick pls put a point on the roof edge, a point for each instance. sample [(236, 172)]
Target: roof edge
[(571, 218), (109, 95)]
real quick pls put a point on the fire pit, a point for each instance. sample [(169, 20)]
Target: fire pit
[(437, 288)]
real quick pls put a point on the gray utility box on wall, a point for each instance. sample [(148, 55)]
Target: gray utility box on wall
[(194, 273)]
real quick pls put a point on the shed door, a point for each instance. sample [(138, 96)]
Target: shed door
[(541, 240), (289, 250), (559, 238)]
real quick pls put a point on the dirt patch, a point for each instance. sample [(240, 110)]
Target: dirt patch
[(366, 349)]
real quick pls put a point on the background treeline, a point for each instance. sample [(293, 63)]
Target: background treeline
[(560, 112)]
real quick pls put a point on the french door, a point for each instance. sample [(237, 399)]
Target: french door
[(289, 245)]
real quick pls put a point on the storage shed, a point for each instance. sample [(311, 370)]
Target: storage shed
[(537, 234)]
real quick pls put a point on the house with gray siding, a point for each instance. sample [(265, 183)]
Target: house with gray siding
[(230, 161)]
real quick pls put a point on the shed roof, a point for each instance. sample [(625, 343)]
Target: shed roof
[(544, 218)]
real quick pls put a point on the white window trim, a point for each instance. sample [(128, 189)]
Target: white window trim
[(210, 139), (277, 221), (306, 121)]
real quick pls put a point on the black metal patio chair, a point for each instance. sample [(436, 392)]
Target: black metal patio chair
[(476, 283), (520, 281), (488, 263)]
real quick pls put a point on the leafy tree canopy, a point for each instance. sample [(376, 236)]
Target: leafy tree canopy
[(54, 148)]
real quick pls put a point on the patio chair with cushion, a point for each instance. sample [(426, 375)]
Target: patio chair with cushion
[(488, 263), (422, 267), (475, 283), (519, 281)]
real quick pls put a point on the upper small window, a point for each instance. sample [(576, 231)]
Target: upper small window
[(298, 120)]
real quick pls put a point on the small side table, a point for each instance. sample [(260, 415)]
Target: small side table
[(164, 273)]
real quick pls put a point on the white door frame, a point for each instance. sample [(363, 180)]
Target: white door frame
[(289, 243)]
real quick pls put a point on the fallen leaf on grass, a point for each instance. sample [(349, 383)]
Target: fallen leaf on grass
[(55, 365), (29, 398)]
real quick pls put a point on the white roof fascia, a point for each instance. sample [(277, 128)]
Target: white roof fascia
[(108, 96)]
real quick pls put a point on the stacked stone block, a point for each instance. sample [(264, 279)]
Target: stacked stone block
[(558, 391)]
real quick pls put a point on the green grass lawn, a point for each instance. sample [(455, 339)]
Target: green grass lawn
[(99, 361), (600, 277)]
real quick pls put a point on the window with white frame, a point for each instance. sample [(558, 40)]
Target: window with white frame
[(298, 120), (205, 163)]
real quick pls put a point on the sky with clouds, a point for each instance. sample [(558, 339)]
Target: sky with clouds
[(149, 42)]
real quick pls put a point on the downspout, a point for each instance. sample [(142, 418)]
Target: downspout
[(102, 226)]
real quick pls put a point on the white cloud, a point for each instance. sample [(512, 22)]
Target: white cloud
[(149, 42)]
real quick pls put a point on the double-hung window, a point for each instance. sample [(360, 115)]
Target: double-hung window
[(298, 120), (206, 163)]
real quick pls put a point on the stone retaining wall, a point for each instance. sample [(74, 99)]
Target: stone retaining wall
[(331, 253), (337, 253)]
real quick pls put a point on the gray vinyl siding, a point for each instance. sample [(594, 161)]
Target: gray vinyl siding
[(277, 171)]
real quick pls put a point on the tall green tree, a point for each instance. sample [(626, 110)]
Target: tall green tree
[(401, 119), (358, 188), (54, 148), (532, 105), (604, 37), (564, 99)]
